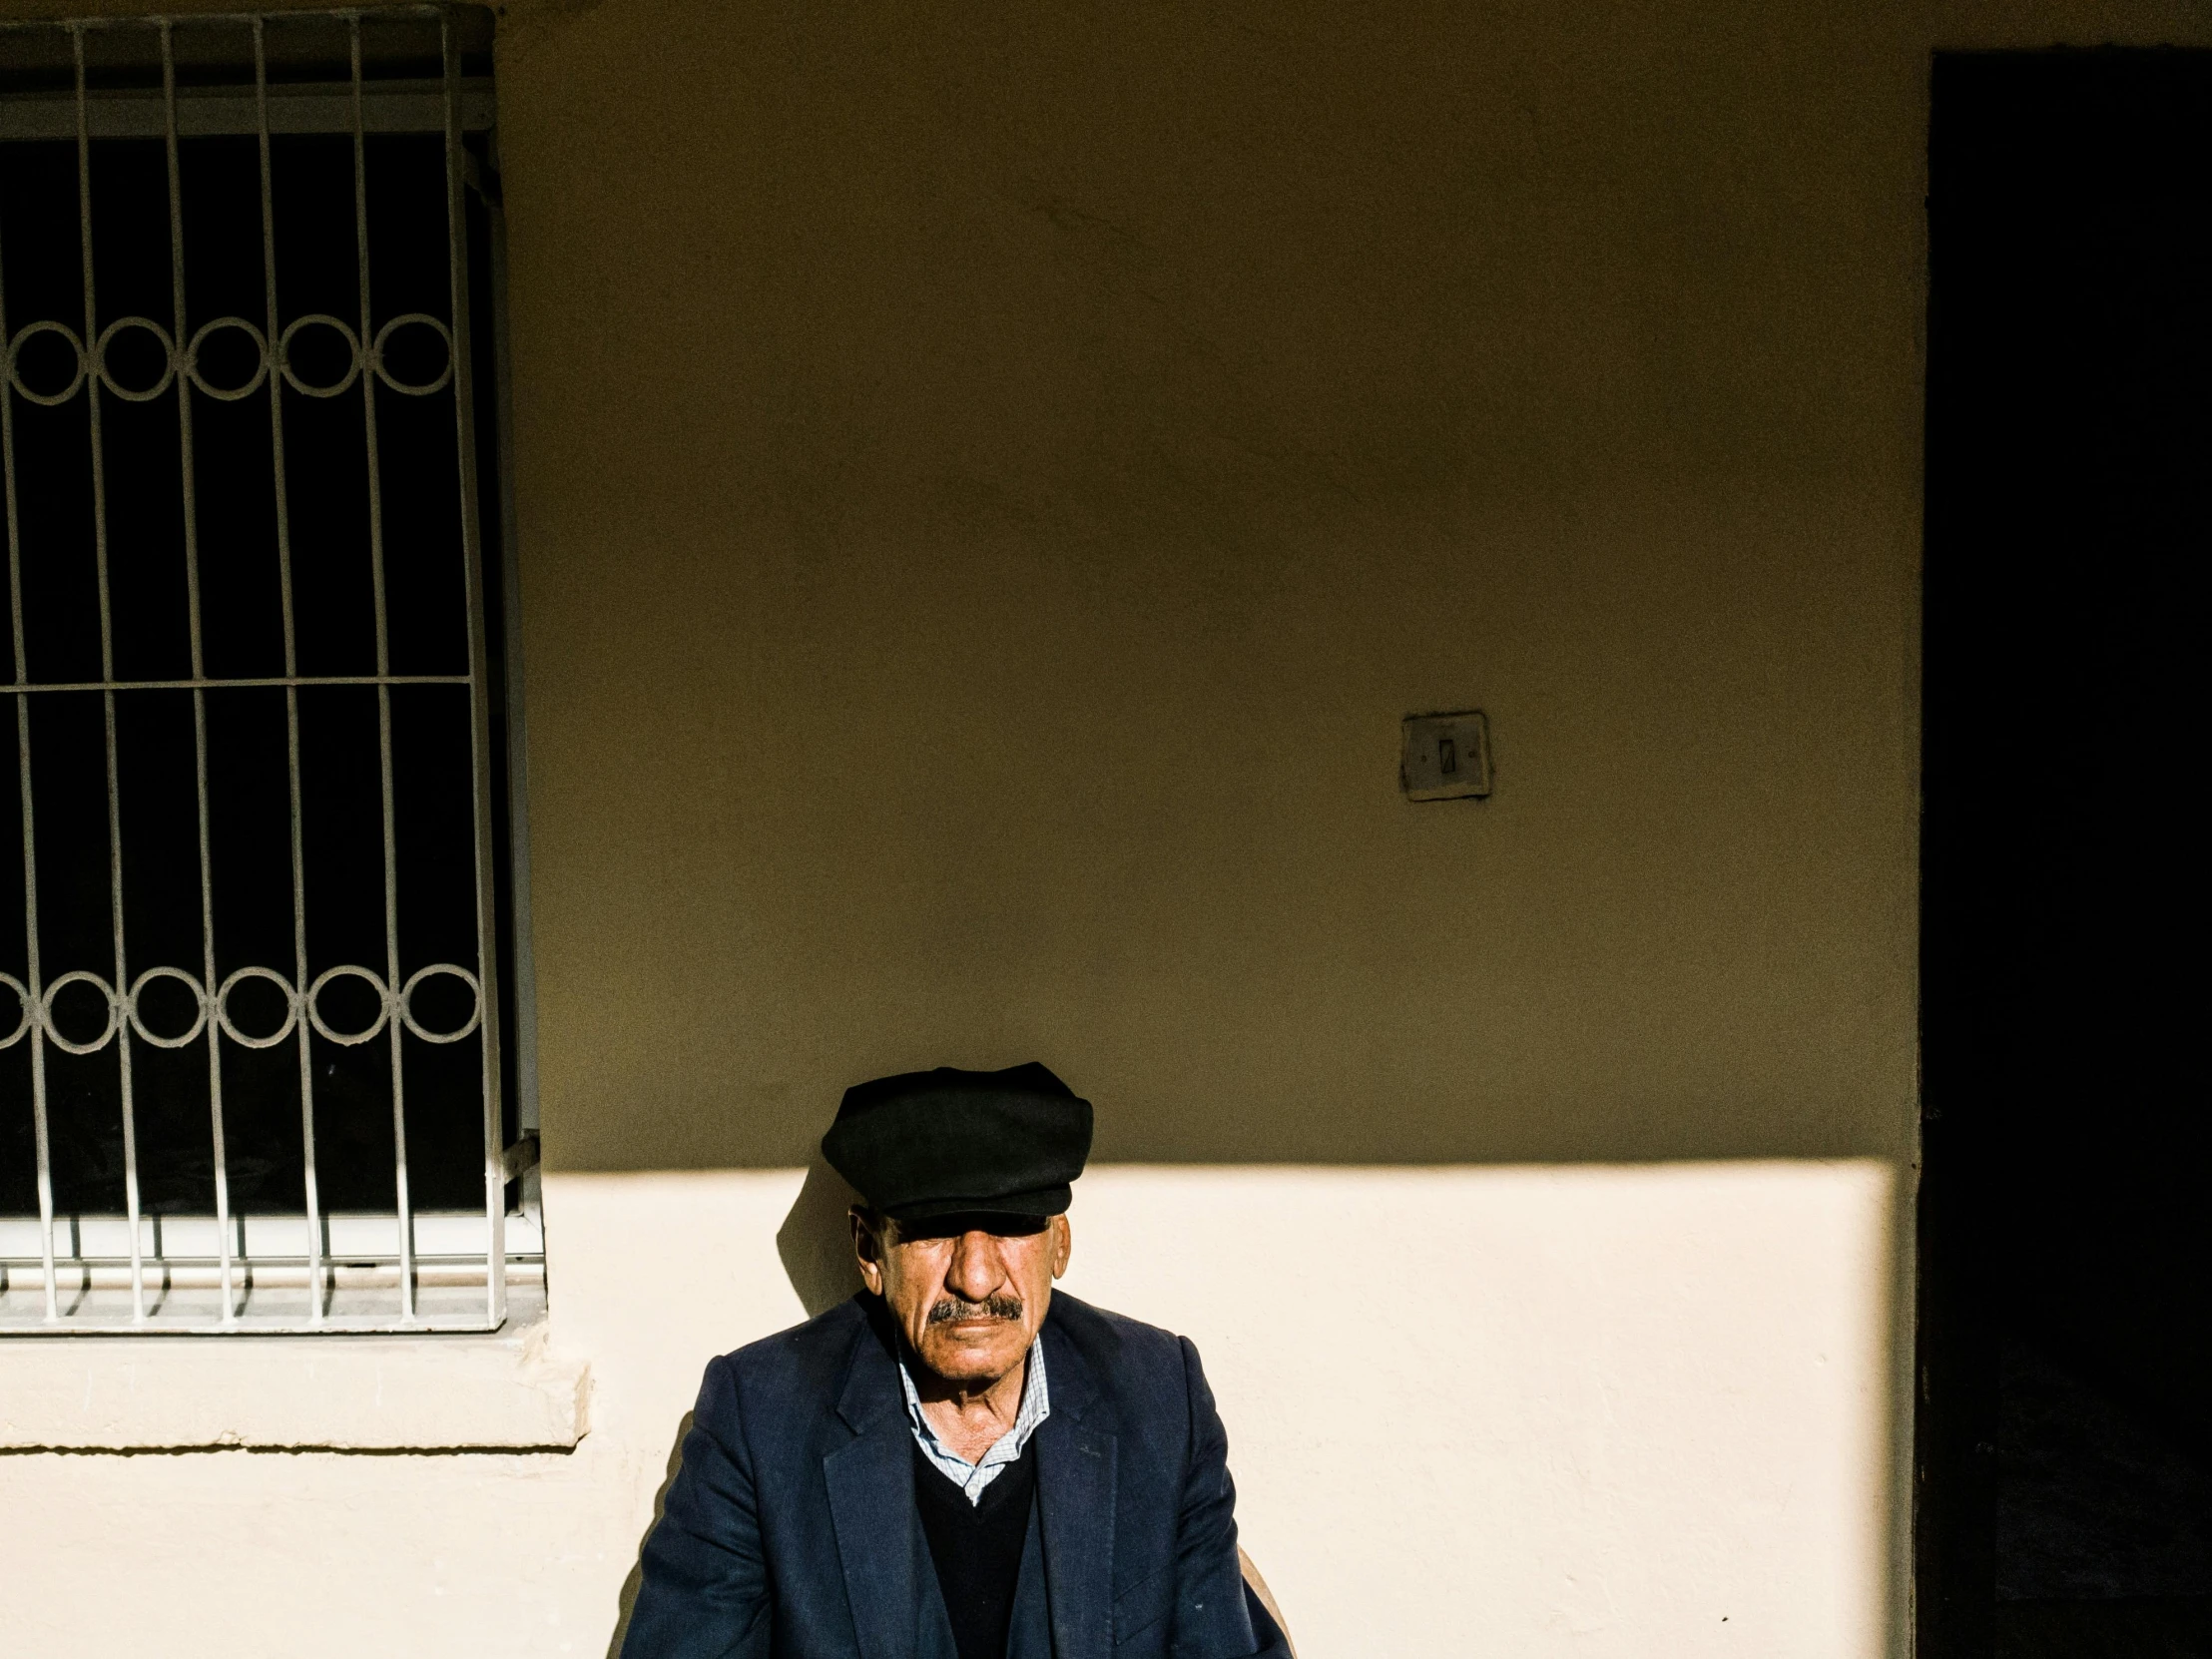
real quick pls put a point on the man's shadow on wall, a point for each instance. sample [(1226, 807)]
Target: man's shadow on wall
[(815, 1240), (816, 1246)]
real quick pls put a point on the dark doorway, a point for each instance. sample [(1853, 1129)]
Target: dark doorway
[(2065, 1504)]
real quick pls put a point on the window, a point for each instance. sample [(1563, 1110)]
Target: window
[(259, 962)]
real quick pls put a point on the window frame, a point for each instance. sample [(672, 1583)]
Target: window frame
[(507, 1236)]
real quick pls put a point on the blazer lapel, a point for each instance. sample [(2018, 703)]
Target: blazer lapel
[(872, 1502), (1076, 1494)]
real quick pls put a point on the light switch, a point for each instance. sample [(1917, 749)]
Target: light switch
[(1447, 756)]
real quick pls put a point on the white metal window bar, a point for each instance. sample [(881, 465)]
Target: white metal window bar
[(261, 1267)]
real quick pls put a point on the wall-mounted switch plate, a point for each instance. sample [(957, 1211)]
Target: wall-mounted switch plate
[(1447, 756)]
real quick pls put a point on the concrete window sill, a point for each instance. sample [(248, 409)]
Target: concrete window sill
[(502, 1391)]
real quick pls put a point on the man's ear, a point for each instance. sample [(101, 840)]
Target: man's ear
[(1063, 1244), (867, 1253)]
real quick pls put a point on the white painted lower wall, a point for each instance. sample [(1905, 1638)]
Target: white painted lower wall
[(1604, 1411)]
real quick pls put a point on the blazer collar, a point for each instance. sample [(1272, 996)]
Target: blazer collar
[(1074, 1383), (1076, 1452), (871, 1482), (870, 1386)]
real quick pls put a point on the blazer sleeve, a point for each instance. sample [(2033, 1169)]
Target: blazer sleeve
[(703, 1590), (1213, 1617)]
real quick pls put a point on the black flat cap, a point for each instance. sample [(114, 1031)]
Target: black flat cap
[(944, 1142)]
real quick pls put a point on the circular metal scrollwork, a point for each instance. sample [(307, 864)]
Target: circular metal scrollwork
[(15, 368), (406, 1002), (26, 1018), (53, 1032), (36, 1013), (92, 364), (227, 395), (134, 395), (414, 319), (200, 1003), (321, 320), (376, 983), (222, 1007)]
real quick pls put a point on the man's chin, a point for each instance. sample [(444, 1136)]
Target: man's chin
[(984, 1359)]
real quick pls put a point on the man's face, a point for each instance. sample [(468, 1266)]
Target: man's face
[(969, 1292)]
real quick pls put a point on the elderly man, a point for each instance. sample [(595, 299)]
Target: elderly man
[(956, 1463)]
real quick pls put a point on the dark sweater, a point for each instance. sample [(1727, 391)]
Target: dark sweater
[(977, 1549)]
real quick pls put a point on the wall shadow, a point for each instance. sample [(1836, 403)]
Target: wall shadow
[(814, 1244), (816, 1240), (627, 1598)]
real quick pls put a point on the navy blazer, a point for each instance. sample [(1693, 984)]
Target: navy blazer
[(790, 1531)]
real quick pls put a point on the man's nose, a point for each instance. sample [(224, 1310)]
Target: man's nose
[(973, 1273)]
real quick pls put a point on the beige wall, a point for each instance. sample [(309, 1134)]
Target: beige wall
[(1635, 1414), (991, 480), (992, 487)]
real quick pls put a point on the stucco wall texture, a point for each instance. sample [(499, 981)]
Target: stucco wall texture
[(991, 487), (991, 482), (1585, 1410)]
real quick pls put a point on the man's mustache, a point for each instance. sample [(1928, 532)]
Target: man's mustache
[(990, 1307)]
